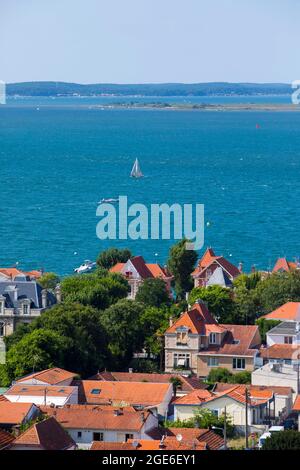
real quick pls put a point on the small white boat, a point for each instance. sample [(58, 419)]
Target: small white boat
[(110, 200), (86, 267), (136, 170)]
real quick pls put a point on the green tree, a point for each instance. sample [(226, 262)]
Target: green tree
[(176, 384), (181, 264), (243, 377), (153, 323), (122, 324), (219, 374), (283, 440), (278, 289), (153, 292), (205, 418), (40, 349), (99, 291), (219, 301), (49, 281), (108, 258)]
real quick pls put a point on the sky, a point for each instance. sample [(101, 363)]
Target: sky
[(149, 41)]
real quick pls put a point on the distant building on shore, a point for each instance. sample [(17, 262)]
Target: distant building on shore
[(214, 270)]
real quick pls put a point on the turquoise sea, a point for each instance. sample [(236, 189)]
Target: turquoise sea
[(60, 157)]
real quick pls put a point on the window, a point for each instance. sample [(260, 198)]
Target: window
[(95, 391), (2, 304), (215, 412), (238, 363), (213, 362), (213, 338), (97, 436), (79, 434), (181, 360), (25, 309), (181, 337), (128, 436), (288, 340), (1, 328)]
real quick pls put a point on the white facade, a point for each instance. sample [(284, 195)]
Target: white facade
[(48, 400), (270, 375)]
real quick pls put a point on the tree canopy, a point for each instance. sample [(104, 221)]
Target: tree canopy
[(49, 281), (283, 440), (153, 292), (219, 301), (181, 264), (108, 258)]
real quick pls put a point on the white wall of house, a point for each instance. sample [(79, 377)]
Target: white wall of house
[(280, 339), (266, 376), (40, 399)]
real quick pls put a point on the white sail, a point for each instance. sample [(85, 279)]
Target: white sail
[(136, 170)]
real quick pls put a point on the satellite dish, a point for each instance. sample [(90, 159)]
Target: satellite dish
[(179, 437)]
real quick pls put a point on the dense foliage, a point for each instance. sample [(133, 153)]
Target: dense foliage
[(153, 292), (181, 264), (108, 258), (283, 440), (221, 374)]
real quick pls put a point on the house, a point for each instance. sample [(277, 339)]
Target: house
[(188, 384), (283, 397), (42, 394), (21, 301), (44, 435), (290, 311), (279, 375), (135, 271), (53, 376), (6, 439), (283, 344), (88, 423), (16, 414), (214, 270), (196, 342), (234, 399), (282, 265), (141, 395), (153, 445), (296, 408), (14, 274), (188, 435)]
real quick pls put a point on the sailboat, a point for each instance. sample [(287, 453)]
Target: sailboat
[(136, 170)]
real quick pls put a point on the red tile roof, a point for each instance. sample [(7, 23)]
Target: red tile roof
[(5, 439), (46, 435), (239, 340), (188, 383), (40, 390), (277, 390), (283, 265), (196, 320), (289, 311), (144, 269), (296, 406), (193, 398), (280, 351), (52, 376), (210, 260), (145, 444), (13, 413), (123, 393), (13, 272), (213, 440), (95, 417)]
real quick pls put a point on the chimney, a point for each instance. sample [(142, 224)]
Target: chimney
[(58, 294), (170, 321), (130, 370), (240, 267), (44, 298)]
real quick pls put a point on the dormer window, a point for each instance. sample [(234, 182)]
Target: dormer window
[(181, 337), (26, 309), (213, 338)]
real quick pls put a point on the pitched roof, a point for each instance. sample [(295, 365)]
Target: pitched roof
[(52, 376), (193, 398), (122, 393), (289, 311), (11, 273), (40, 390), (5, 439), (13, 413), (283, 265), (48, 435), (147, 444), (196, 320), (219, 278), (210, 260), (188, 383), (254, 389), (97, 417), (280, 351), (238, 340), (144, 269), (213, 440), (15, 292), (296, 406)]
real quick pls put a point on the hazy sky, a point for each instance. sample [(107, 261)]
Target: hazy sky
[(138, 41)]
